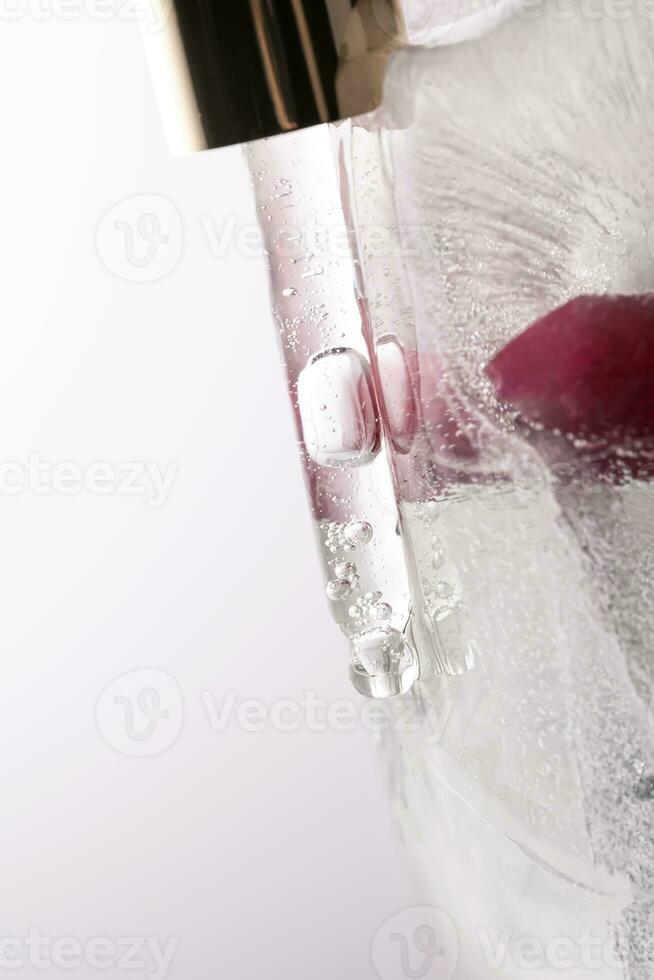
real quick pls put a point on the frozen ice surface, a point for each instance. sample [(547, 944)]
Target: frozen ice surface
[(524, 159), (526, 156)]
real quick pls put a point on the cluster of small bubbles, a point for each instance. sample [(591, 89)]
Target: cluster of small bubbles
[(335, 537), (369, 607), (442, 599), (344, 583), (282, 188), (291, 333), (436, 590), (346, 537), (261, 173)]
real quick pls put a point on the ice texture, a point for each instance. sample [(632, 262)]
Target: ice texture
[(527, 156), (522, 163)]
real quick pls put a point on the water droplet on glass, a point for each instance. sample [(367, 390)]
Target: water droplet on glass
[(438, 558), (349, 432), (289, 291), (383, 663), (443, 590), (283, 188)]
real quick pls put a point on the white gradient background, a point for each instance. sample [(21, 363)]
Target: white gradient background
[(267, 854)]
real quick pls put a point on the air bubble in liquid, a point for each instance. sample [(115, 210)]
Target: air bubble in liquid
[(438, 556), (358, 533), (383, 611), (338, 589), (346, 571)]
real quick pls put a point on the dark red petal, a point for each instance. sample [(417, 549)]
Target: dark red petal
[(586, 369)]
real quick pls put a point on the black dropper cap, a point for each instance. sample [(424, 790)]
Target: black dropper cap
[(230, 71)]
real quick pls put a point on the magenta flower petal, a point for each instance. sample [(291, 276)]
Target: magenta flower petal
[(585, 369)]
